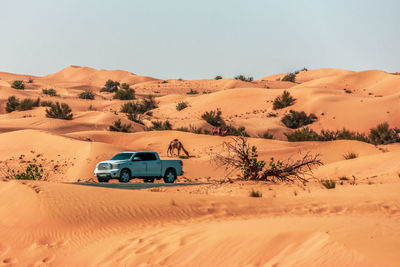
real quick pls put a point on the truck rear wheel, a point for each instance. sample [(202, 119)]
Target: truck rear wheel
[(170, 176), (125, 176)]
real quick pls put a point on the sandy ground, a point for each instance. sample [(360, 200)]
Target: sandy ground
[(216, 223)]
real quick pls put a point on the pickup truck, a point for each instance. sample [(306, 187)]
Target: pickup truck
[(138, 164)]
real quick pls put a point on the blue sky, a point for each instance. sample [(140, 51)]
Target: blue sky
[(199, 39)]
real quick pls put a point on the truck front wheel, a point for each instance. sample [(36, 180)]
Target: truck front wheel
[(170, 176), (125, 176)]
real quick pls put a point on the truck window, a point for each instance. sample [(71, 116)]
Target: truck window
[(146, 156), (122, 156)]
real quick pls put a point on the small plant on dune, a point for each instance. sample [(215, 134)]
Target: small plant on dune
[(18, 84), (192, 92), (135, 110), (125, 86), (164, 82), (50, 92), (297, 119), (213, 117), (32, 171), (46, 103), (243, 78), (28, 104), (267, 135), (119, 127), (304, 69), (290, 77), (350, 155), (91, 108), (254, 193), (347, 91), (218, 77), (283, 101), (30, 80), (233, 131), (59, 111), (12, 104), (181, 105), (329, 184), (135, 117), (383, 134), (344, 178), (110, 86), (125, 94), (160, 126), (301, 135), (86, 95)]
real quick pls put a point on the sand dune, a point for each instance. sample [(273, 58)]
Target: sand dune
[(215, 222)]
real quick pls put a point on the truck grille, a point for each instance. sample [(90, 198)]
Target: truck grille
[(103, 166)]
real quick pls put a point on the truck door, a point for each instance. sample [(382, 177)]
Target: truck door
[(153, 165), (138, 166)]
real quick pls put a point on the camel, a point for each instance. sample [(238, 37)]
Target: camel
[(176, 144), (219, 131)]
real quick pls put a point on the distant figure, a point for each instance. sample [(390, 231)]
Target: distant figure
[(176, 144), (218, 131)]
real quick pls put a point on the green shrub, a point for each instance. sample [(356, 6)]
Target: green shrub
[(18, 84), (119, 127), (164, 82), (290, 77), (110, 86), (304, 134), (181, 105), (297, 119), (244, 78), (283, 101), (28, 104), (329, 184), (50, 92), (125, 86), (31, 172), (46, 103), (86, 95), (30, 80), (350, 155), (218, 77), (125, 94), (192, 92), (213, 117), (161, 126), (59, 111), (135, 117), (12, 104), (383, 134), (267, 135), (233, 131), (255, 193), (144, 105)]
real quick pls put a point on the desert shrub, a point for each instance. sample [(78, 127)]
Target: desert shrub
[(244, 78), (383, 134), (110, 86), (304, 69), (18, 84), (192, 92), (304, 134), (164, 82), (290, 77), (50, 91), (267, 135), (31, 172), (297, 119), (213, 117), (135, 117), (30, 80), (218, 77), (86, 95), (328, 184), (254, 193), (149, 103), (46, 103), (160, 126), (283, 101), (233, 131), (119, 127), (181, 105), (347, 91), (125, 86), (125, 94), (28, 104), (12, 104), (350, 155), (59, 111), (238, 154), (144, 105)]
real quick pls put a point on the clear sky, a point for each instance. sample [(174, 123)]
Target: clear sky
[(199, 39)]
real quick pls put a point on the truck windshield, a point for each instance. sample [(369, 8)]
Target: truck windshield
[(122, 156)]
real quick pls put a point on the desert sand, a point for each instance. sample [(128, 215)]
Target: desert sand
[(55, 222)]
